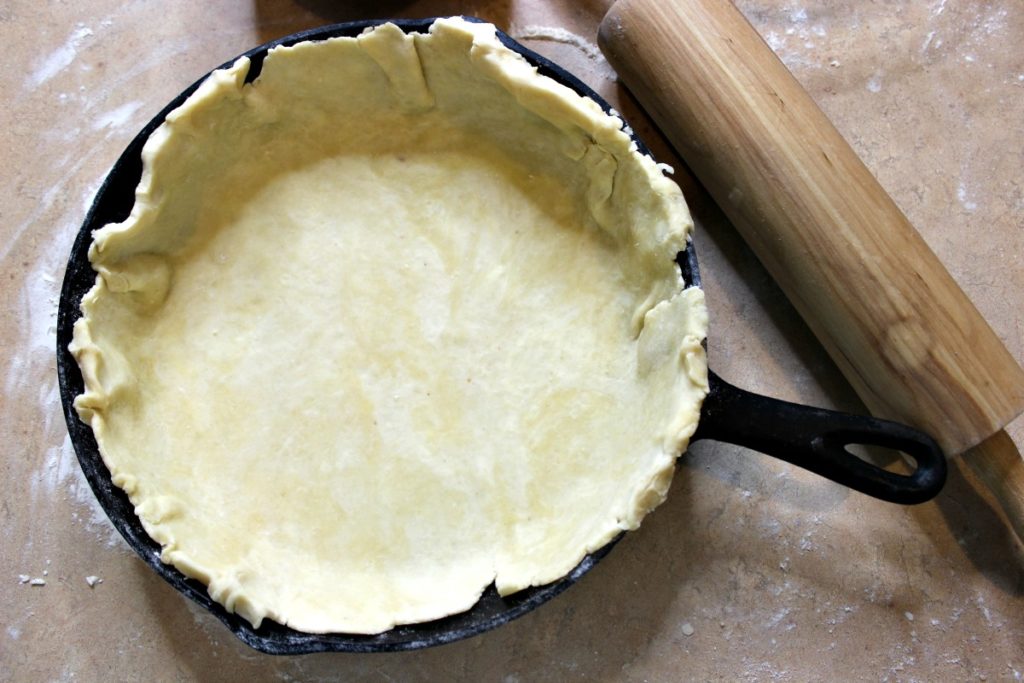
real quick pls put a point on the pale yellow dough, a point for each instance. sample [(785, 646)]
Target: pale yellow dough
[(397, 320)]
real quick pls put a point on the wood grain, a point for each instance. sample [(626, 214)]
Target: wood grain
[(900, 328), (996, 464)]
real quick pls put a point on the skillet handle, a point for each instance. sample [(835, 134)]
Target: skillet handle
[(816, 440)]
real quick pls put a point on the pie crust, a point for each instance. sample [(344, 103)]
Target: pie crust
[(395, 321)]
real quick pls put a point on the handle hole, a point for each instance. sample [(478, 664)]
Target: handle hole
[(889, 459)]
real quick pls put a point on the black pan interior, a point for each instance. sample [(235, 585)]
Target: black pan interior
[(113, 203)]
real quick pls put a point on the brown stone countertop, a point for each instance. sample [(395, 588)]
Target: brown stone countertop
[(753, 570)]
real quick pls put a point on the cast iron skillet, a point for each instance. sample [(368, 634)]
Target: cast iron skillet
[(810, 438)]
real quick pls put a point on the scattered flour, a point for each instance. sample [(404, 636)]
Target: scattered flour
[(88, 511), (560, 35), (928, 41), (984, 610), (777, 618), (964, 198), (118, 117), (32, 369), (802, 35), (59, 59)]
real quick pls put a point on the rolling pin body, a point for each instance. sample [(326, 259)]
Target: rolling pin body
[(898, 326)]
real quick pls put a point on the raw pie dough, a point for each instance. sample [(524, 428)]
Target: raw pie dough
[(395, 321)]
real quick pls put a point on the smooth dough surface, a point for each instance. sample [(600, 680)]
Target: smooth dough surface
[(395, 321)]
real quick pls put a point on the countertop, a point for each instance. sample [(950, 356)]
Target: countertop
[(753, 570)]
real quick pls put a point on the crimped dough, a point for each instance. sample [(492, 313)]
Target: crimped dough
[(397, 320)]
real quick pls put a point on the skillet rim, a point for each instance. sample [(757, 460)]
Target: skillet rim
[(113, 203)]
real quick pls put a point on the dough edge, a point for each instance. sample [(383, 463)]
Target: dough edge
[(536, 93)]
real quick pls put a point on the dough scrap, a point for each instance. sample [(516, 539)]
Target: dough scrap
[(395, 321)]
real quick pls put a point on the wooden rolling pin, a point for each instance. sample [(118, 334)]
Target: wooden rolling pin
[(896, 323)]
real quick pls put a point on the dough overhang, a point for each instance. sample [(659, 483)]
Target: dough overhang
[(395, 321)]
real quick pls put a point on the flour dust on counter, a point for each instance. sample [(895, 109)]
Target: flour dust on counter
[(537, 35), (60, 59), (559, 35), (54, 491), (58, 473), (119, 117)]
